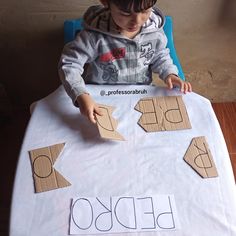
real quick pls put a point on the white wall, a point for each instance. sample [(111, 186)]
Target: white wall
[(31, 39)]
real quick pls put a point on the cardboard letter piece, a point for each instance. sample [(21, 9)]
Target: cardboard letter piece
[(163, 113), (45, 176), (199, 157), (107, 124)]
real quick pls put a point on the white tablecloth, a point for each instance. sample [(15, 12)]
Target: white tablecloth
[(146, 163)]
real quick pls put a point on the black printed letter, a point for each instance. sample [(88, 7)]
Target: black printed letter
[(126, 207), (149, 213), (159, 221), (104, 215), (82, 211)]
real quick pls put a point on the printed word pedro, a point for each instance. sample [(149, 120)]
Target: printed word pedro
[(123, 214)]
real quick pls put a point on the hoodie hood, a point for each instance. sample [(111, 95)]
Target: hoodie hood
[(98, 18)]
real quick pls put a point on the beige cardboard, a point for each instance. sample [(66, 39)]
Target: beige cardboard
[(45, 176), (199, 157), (163, 113), (107, 124)]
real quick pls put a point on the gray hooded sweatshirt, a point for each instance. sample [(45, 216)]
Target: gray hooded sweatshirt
[(112, 58)]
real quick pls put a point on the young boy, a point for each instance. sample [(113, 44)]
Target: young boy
[(122, 43)]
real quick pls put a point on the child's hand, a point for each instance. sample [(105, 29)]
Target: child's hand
[(184, 86), (88, 107)]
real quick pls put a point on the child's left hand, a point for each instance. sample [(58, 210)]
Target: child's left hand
[(173, 80)]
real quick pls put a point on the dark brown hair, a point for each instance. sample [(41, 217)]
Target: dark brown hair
[(133, 5)]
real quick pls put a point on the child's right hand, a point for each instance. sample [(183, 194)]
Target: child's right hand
[(88, 107)]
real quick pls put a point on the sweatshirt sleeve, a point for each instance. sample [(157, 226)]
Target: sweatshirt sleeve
[(71, 65), (162, 62)]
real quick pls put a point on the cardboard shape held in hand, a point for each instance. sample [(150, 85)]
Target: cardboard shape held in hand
[(199, 157), (45, 176), (163, 113), (107, 124)]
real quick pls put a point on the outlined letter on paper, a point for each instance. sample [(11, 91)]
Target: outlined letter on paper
[(199, 157), (163, 113), (107, 124), (45, 176)]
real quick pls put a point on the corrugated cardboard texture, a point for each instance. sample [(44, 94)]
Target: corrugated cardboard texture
[(163, 113), (45, 176), (199, 157), (107, 124)]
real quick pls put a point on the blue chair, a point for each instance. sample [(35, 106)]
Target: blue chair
[(168, 29), (72, 27)]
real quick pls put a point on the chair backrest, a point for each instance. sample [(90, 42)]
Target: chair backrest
[(168, 29), (72, 27)]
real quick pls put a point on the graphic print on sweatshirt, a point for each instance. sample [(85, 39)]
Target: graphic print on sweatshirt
[(147, 52), (110, 71)]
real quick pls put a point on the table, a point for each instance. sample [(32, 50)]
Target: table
[(146, 163)]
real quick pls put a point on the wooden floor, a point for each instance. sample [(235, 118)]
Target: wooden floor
[(12, 133), (226, 114)]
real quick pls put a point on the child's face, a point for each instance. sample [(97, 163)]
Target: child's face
[(129, 22)]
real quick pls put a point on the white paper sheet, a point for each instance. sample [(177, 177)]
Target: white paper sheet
[(123, 214)]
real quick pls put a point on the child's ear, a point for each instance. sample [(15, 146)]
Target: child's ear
[(104, 2)]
